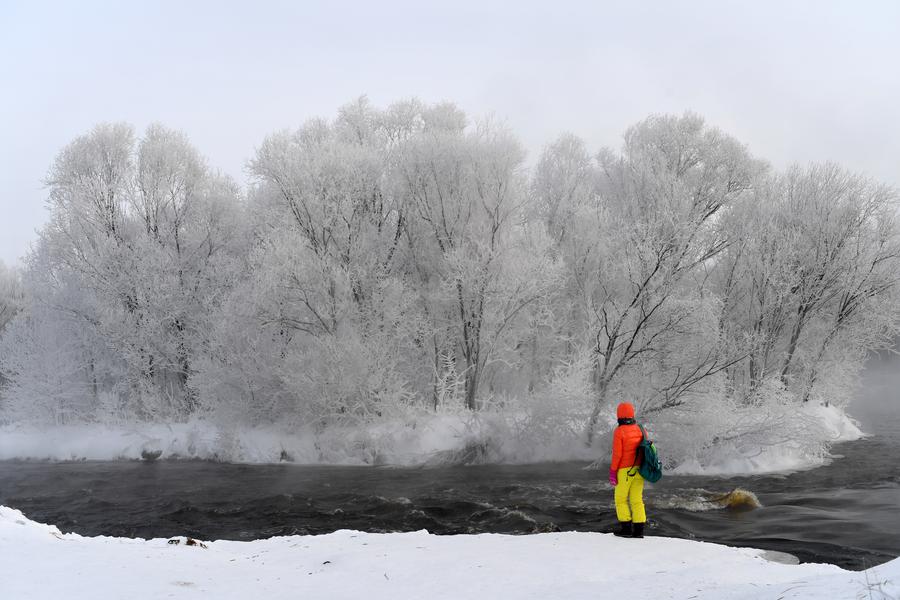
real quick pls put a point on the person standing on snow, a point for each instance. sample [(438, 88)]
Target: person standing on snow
[(623, 474)]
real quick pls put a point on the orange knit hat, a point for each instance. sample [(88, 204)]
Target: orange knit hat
[(625, 410)]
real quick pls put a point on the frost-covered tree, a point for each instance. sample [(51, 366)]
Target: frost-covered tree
[(323, 297), (11, 294), (815, 249), (639, 230), (12, 300), (466, 194), (134, 257)]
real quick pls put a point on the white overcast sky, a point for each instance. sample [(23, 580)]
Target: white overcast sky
[(796, 81)]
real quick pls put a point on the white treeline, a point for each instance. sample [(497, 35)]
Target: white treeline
[(392, 264)]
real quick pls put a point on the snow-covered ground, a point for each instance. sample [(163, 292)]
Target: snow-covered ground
[(38, 562)]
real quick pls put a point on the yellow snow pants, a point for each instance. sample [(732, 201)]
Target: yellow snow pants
[(630, 491)]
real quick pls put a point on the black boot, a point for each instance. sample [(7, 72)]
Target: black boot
[(638, 530), (624, 529)]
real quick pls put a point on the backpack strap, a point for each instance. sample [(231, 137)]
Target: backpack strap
[(639, 450), (637, 467)]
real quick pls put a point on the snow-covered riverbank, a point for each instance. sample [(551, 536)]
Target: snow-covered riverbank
[(40, 563), (427, 439)]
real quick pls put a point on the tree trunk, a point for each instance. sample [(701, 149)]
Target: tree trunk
[(473, 375), (599, 403), (436, 378), (535, 372), (792, 344)]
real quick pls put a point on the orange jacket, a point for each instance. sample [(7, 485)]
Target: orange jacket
[(625, 443)]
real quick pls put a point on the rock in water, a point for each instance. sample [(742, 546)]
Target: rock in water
[(150, 455), (737, 499)]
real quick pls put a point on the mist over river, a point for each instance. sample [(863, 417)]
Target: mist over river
[(846, 513)]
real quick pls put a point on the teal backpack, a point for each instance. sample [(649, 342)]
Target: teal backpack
[(648, 459)]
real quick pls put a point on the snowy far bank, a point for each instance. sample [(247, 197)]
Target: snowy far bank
[(41, 563), (429, 440)]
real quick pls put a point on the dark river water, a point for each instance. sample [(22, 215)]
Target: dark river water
[(846, 513)]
